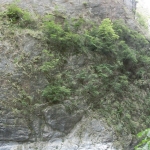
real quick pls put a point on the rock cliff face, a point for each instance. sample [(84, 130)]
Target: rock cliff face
[(90, 133), (63, 130), (98, 9)]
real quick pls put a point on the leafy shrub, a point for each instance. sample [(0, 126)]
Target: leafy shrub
[(126, 53), (104, 70), (50, 62), (121, 30), (130, 37), (18, 16), (78, 23), (59, 38), (107, 74), (143, 60), (102, 38), (143, 20), (56, 90), (145, 143), (54, 32), (107, 35), (56, 93), (132, 47), (120, 83)]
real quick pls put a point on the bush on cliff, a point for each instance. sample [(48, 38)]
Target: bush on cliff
[(20, 17)]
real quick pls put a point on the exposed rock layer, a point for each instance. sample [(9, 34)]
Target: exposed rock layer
[(90, 134)]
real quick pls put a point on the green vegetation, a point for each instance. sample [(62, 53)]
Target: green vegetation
[(56, 91), (145, 143), (59, 38), (142, 20), (20, 17), (112, 83), (104, 65)]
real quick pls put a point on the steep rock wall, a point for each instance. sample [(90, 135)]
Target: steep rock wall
[(98, 9), (54, 124)]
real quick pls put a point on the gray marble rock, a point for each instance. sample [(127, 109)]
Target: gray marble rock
[(59, 119), (91, 133), (13, 129), (14, 133), (98, 9)]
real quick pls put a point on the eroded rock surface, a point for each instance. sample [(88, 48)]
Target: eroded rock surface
[(98, 9), (89, 134), (11, 129), (59, 119)]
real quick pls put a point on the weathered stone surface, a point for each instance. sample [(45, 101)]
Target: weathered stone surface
[(7, 146), (98, 9), (13, 129), (89, 134), (14, 133), (59, 119)]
